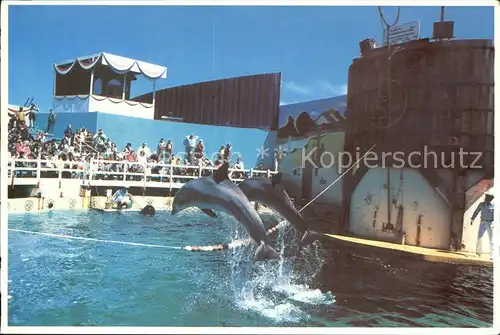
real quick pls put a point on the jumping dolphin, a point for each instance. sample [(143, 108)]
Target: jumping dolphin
[(270, 192), (219, 193)]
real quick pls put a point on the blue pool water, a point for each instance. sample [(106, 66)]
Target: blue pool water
[(65, 282)]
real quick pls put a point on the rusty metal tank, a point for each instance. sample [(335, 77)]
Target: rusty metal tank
[(437, 95)]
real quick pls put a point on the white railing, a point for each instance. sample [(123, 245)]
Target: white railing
[(108, 172)]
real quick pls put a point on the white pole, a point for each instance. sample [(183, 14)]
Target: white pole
[(154, 92), (124, 86), (91, 81)]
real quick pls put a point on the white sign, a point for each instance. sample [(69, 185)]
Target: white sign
[(403, 33)]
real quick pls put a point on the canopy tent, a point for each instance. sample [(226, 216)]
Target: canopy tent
[(118, 64)]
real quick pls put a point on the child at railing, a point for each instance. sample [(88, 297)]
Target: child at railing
[(239, 166)]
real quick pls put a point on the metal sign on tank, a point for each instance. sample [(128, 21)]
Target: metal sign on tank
[(402, 33), (396, 34)]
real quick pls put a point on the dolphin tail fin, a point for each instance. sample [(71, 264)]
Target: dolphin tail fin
[(276, 179), (309, 237), (222, 173), (265, 252)]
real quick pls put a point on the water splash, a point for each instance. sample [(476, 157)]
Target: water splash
[(280, 289)]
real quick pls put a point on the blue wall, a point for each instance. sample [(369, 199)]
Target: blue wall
[(246, 141), (77, 120)]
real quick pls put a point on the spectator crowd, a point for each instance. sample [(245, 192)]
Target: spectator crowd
[(77, 148)]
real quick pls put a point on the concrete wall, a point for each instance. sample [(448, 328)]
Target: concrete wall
[(410, 190), (292, 168), (245, 141), (33, 205), (27, 205)]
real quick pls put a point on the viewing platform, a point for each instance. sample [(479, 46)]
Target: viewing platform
[(102, 83), (108, 173)]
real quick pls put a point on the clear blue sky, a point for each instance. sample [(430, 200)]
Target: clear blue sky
[(313, 47)]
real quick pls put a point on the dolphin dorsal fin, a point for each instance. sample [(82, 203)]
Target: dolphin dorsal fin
[(276, 179), (221, 173)]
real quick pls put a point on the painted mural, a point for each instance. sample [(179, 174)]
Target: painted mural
[(313, 125)]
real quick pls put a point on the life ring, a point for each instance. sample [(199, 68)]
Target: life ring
[(28, 205)]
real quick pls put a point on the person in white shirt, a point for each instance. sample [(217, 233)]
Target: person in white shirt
[(239, 166), (144, 148), (486, 209), (142, 158)]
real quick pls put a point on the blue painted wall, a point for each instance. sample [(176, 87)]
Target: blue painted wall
[(77, 120), (245, 141)]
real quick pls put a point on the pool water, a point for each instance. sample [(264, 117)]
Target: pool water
[(57, 281)]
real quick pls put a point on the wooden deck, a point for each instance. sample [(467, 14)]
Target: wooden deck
[(427, 254)]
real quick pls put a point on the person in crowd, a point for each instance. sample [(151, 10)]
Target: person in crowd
[(80, 146), (161, 147), (189, 145), (227, 153), (239, 166), (122, 198), (199, 151), (169, 148), (51, 121), (99, 141), (144, 148), (261, 170), (41, 137), (486, 209), (128, 149), (142, 157), (21, 115), (32, 115), (24, 132), (13, 122), (68, 132)]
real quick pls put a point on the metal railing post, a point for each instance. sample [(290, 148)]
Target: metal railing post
[(38, 172), (91, 164), (59, 171), (170, 179)]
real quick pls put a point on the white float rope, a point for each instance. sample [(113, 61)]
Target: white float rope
[(95, 239), (281, 225)]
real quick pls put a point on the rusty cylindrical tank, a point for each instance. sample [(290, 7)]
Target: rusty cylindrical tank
[(438, 95)]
